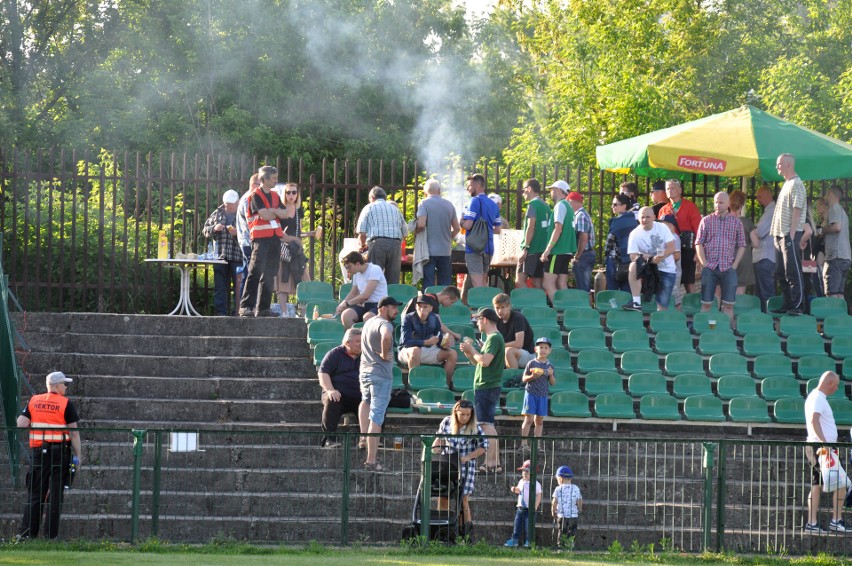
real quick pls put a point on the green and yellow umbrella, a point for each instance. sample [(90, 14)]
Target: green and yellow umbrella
[(737, 143)]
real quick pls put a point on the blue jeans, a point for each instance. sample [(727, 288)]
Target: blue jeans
[(667, 281), (726, 280), (764, 281), (223, 277), (611, 283), (440, 264), (582, 269), (520, 529)]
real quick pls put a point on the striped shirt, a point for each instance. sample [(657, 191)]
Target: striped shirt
[(720, 236), (582, 223), (792, 195), (381, 219)]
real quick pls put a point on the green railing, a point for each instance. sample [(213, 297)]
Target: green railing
[(10, 388), (280, 487)]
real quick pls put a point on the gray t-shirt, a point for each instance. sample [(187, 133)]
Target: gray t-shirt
[(439, 213), (837, 244), (767, 241), (371, 349)]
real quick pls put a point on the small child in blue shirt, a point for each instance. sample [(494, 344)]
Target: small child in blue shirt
[(538, 375)]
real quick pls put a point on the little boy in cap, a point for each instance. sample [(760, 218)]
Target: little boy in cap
[(566, 505), (538, 374), (522, 490)]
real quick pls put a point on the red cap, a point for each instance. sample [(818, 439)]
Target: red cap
[(574, 195)]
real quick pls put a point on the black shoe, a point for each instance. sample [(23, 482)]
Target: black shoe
[(631, 306), (782, 310)]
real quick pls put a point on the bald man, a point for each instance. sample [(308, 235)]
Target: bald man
[(719, 247), (788, 227), (819, 420)]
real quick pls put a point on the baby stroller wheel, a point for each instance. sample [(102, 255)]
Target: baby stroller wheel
[(409, 533)]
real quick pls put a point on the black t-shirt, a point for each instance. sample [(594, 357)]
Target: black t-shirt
[(517, 323), (343, 370)]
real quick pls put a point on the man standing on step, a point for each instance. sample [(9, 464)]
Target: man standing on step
[(381, 228), (562, 241), (437, 217), (819, 420), (52, 421), (788, 227), (221, 227), (480, 207), (341, 390), (376, 375)]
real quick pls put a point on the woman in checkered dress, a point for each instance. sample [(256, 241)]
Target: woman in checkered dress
[(469, 442)]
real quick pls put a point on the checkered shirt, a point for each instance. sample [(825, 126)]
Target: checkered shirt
[(463, 446), (381, 219), (229, 248), (583, 223), (720, 236)]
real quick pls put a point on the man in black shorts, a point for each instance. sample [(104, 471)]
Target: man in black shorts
[(535, 237)]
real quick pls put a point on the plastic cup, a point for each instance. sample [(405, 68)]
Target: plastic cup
[(397, 443), (318, 233), (712, 324)]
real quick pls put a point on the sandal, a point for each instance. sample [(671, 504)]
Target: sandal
[(373, 467), (493, 469), (362, 444)]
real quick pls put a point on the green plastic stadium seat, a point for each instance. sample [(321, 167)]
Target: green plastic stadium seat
[(456, 313), (846, 369), (402, 292), (598, 382), (641, 384), (307, 291), (569, 404), (325, 330), (629, 339), (839, 394), (614, 406), (800, 345), (571, 299), (509, 376), (802, 324), (463, 378), (683, 362), (323, 307), (580, 318), (528, 297), (746, 303), (754, 323), (581, 339), (427, 377), (774, 388), (727, 364), (554, 334), (561, 358), (661, 407), (691, 384), (790, 410), (603, 300), (842, 409), (837, 325), (469, 395), (594, 360), (478, 297), (620, 319), (343, 291), (841, 347), (668, 320), (703, 408), (434, 289), (428, 401), (466, 330), (824, 307), (692, 304), (640, 361), (810, 367), (668, 341), (760, 343), (541, 316), (397, 378), (711, 343), (566, 380), (748, 410), (321, 349), (731, 386), (514, 402), (649, 306), (773, 365), (701, 322), (773, 304)]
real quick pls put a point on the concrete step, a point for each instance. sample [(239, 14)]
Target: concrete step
[(93, 386)]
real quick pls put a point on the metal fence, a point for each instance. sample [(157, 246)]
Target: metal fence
[(281, 487)]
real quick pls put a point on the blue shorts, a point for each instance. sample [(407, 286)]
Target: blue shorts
[(485, 403), (667, 281), (726, 280), (376, 391), (534, 405)]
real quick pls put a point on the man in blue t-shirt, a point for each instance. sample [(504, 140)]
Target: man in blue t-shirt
[(341, 389), (483, 207)]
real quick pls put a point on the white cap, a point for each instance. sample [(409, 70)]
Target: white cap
[(497, 199), (230, 197), (561, 185), (57, 377)]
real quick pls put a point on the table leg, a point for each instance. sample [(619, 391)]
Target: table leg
[(179, 308), (190, 310)]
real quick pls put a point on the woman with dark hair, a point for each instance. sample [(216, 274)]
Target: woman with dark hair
[(620, 225)]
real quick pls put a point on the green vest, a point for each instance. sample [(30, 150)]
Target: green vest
[(542, 221), (567, 242)]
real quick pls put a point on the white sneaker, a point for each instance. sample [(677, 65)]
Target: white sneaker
[(838, 526)]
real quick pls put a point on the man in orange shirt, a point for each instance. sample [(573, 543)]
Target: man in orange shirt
[(688, 218)]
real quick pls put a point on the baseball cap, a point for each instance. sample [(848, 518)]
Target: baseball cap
[(544, 340), (564, 472), (525, 466), (230, 197), (488, 314), (495, 198), (57, 377), (562, 185), (574, 195), (389, 302)]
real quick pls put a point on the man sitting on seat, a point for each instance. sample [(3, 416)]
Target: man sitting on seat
[(516, 331), (368, 288), (341, 390), (421, 340)]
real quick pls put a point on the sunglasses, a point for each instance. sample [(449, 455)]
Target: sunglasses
[(465, 405), (292, 192), (616, 204)]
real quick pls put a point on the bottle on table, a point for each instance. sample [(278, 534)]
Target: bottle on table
[(163, 246)]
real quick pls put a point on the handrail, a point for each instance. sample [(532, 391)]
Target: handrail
[(10, 382)]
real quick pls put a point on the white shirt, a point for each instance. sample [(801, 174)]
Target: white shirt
[(817, 403), (524, 495), (652, 242), (567, 495), (372, 273)]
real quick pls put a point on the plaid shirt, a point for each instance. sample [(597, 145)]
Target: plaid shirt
[(464, 446), (720, 236), (582, 223), (381, 219), (229, 248)]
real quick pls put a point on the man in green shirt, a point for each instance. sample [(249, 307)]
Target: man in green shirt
[(562, 241), (535, 236), (487, 381)]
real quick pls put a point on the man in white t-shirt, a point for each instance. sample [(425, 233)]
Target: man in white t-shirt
[(819, 420), (368, 288), (651, 243)]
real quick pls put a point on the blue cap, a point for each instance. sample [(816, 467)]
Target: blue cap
[(544, 340), (564, 472)]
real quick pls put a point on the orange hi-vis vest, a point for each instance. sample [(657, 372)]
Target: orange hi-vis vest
[(260, 228), (47, 414)]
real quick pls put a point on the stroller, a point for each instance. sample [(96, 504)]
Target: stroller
[(445, 496)]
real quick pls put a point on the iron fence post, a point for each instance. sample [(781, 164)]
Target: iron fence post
[(155, 494), (533, 494), (425, 494), (721, 496), (344, 504), (707, 464), (138, 435)]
